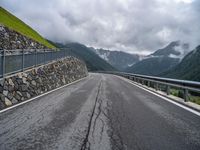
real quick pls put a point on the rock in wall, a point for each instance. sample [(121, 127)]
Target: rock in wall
[(23, 86), (10, 39)]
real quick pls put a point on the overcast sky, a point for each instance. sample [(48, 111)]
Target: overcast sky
[(137, 26)]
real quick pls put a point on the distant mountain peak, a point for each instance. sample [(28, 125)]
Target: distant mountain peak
[(188, 68), (174, 49)]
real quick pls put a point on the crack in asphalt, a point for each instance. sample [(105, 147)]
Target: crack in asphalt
[(86, 143), (97, 115)]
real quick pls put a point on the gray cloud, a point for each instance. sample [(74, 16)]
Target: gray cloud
[(137, 26)]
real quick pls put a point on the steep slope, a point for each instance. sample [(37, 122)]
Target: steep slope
[(153, 66), (160, 61), (12, 22), (189, 67), (92, 60), (118, 59)]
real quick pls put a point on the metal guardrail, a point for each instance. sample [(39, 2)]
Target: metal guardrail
[(13, 61), (185, 85)]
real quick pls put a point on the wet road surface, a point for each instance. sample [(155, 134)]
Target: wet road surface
[(101, 112)]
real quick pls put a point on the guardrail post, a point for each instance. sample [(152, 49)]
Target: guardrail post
[(168, 90), (142, 82), (4, 63), (148, 83), (186, 98), (22, 60), (156, 86)]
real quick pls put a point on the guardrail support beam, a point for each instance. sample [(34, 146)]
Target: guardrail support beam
[(156, 86), (148, 83), (142, 82), (168, 90)]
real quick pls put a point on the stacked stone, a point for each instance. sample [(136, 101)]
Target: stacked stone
[(23, 86), (10, 39)]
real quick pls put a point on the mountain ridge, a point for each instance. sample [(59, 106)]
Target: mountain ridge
[(188, 68), (160, 61), (92, 60)]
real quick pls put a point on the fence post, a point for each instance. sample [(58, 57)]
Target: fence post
[(4, 63), (44, 56), (22, 60), (56, 54), (52, 55), (35, 57), (186, 95)]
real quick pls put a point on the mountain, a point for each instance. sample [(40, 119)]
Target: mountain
[(13, 23), (188, 68), (161, 60), (118, 59), (92, 60)]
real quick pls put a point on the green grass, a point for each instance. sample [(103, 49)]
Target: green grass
[(195, 99), (12, 22), (174, 92)]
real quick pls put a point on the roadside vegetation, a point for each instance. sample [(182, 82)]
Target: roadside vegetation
[(193, 97)]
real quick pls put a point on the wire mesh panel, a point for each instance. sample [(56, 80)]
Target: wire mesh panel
[(29, 60), (54, 55), (48, 56), (13, 63), (40, 58), (59, 54)]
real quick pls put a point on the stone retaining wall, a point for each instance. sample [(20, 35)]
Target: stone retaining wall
[(10, 39), (23, 86)]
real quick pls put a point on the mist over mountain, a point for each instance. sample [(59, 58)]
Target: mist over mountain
[(161, 60), (188, 68), (118, 59), (92, 60), (175, 49)]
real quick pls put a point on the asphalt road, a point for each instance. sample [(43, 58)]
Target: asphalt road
[(101, 112)]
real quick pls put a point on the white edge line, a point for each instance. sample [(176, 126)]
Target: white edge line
[(165, 98), (24, 102)]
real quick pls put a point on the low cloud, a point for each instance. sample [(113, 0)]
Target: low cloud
[(136, 26)]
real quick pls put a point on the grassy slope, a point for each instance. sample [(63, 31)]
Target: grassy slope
[(93, 61), (12, 22)]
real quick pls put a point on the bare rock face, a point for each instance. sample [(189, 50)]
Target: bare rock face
[(10, 39), (26, 85)]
